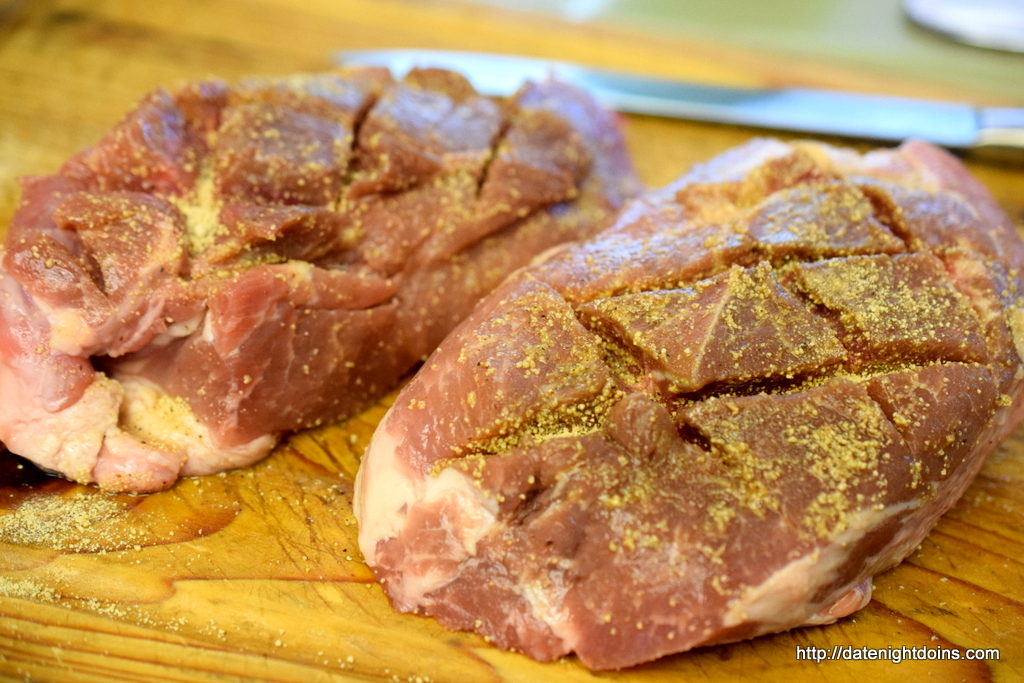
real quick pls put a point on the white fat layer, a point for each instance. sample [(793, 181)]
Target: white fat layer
[(463, 513), (847, 603), (69, 332), (207, 333), (387, 490), (67, 440), (182, 328), (72, 334), (547, 602), (384, 492), (778, 601), (464, 505), (168, 423), (143, 327)]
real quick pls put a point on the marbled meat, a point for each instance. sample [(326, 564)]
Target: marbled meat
[(716, 419), (231, 263)]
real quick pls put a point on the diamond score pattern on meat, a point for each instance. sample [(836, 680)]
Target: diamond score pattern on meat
[(234, 262), (718, 418)]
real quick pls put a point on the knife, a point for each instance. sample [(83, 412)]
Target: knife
[(957, 125)]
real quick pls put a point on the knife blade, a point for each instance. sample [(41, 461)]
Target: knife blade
[(958, 125)]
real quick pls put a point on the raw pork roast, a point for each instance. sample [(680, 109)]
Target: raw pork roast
[(716, 419), (231, 263)]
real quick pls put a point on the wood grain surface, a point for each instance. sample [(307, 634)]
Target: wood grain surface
[(255, 574)]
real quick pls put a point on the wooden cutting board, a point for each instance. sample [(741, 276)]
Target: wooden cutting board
[(255, 574)]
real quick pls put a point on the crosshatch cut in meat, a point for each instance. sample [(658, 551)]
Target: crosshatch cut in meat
[(716, 419), (234, 262)]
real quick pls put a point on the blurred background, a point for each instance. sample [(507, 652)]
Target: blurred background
[(875, 36), (70, 68)]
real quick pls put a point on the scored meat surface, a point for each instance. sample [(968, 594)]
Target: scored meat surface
[(716, 419), (234, 262)]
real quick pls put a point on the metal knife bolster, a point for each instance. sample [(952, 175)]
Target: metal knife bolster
[(824, 112), (1001, 127)]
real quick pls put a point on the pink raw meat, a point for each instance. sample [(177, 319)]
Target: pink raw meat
[(234, 262), (718, 418)]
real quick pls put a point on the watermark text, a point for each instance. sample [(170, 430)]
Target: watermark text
[(904, 653)]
